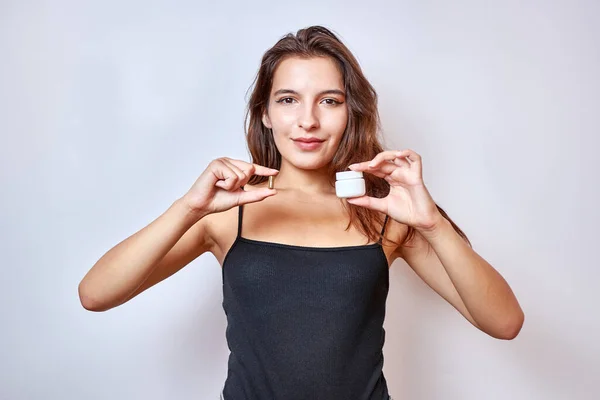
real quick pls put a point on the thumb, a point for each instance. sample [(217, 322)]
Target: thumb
[(372, 203), (253, 196)]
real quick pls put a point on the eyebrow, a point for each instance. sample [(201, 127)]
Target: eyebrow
[(329, 91)]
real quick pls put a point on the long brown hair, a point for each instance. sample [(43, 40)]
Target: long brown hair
[(361, 139)]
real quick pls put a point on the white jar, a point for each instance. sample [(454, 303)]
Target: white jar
[(349, 184)]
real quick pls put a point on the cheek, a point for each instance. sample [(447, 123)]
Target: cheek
[(282, 120), (335, 123), (334, 142), (281, 137)]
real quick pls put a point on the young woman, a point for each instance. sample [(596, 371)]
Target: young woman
[(305, 273)]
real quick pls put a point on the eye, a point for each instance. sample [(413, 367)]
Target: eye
[(332, 102), (285, 100)]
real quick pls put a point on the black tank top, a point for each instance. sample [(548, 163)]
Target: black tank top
[(304, 323)]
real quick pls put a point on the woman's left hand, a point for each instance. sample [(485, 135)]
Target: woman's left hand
[(408, 201)]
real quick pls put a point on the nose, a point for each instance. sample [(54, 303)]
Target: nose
[(308, 118)]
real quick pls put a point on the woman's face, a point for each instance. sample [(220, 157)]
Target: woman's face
[(307, 111)]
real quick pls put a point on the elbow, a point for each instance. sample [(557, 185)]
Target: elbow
[(88, 301), (512, 327)]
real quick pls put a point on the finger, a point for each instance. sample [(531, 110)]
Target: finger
[(246, 167), (264, 171), (226, 177), (254, 169), (372, 203), (380, 171), (376, 161), (228, 184), (253, 196), (377, 173), (361, 166), (243, 176), (401, 162), (383, 156), (410, 154)]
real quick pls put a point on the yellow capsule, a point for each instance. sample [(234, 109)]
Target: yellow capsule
[(271, 181)]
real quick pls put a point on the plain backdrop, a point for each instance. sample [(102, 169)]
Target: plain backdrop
[(110, 110)]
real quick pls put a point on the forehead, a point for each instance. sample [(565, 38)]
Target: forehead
[(307, 74)]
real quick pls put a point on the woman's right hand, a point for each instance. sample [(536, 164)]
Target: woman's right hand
[(219, 187)]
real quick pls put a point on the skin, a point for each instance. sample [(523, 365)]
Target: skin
[(307, 99), (305, 210)]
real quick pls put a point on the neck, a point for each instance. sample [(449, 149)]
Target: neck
[(313, 181)]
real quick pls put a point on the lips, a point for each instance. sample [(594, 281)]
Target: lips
[(308, 143), (309, 140)]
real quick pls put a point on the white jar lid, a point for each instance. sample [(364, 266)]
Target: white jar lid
[(348, 175)]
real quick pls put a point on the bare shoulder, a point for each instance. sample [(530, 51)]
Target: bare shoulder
[(222, 227)]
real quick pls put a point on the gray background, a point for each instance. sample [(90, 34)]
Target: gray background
[(110, 110)]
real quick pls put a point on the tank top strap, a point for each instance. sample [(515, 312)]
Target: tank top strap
[(383, 228), (240, 217)]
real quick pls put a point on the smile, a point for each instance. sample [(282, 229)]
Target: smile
[(308, 143)]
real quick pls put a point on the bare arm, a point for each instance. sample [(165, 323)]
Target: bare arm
[(171, 241), (454, 270), (147, 257)]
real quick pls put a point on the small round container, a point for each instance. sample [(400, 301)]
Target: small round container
[(349, 184)]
